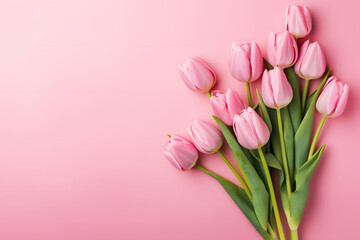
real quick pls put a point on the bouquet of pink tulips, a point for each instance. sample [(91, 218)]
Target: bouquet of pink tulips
[(276, 133)]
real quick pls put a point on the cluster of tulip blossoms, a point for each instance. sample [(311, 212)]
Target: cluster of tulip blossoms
[(275, 133)]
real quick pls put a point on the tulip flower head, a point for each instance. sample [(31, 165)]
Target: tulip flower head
[(226, 104), (298, 21), (333, 98), (276, 90), (282, 50), (197, 74), (246, 62), (311, 63), (250, 129), (181, 153), (205, 136)]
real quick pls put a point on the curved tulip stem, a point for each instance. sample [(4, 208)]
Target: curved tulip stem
[(316, 136), (243, 174), (283, 152), (203, 169), (237, 175), (248, 93), (306, 86), (294, 235), (272, 195)]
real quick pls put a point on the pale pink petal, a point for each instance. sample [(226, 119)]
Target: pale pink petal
[(257, 63), (342, 102), (239, 64)]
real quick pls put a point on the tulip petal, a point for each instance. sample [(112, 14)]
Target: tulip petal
[(186, 78), (244, 132), (281, 88), (271, 49), (328, 99), (313, 63), (200, 74), (298, 22), (234, 103), (239, 64), (206, 137), (302, 53), (257, 63), (341, 102), (260, 128), (172, 160), (267, 91)]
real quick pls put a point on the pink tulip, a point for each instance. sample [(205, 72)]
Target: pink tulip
[(282, 49), (298, 21), (333, 98), (226, 104), (197, 74), (206, 137), (250, 129), (246, 62), (181, 153), (276, 90), (311, 63)]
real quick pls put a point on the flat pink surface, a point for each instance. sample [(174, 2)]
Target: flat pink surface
[(89, 89)]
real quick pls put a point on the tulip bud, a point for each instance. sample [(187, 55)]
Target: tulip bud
[(197, 74), (246, 62), (250, 129), (282, 50), (206, 137), (226, 104), (333, 98), (276, 90), (298, 21), (311, 63), (181, 153)]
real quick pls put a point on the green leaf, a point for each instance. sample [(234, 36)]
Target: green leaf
[(258, 189), (289, 142), (308, 101), (303, 134), (295, 104), (264, 111), (300, 196), (270, 158), (276, 147), (267, 65), (256, 108), (239, 196), (284, 195), (275, 137)]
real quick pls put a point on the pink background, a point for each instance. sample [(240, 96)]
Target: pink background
[(89, 89)]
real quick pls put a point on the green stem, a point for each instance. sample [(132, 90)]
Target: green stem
[(306, 86), (294, 235), (272, 195), (271, 231), (243, 174), (237, 175), (203, 169), (283, 152), (248, 92), (316, 136), (240, 168)]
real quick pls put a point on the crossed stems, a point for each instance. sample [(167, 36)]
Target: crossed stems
[(294, 234), (245, 184)]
